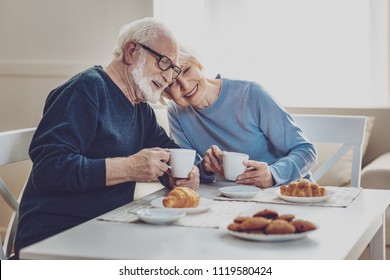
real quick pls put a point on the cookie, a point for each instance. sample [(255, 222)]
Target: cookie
[(254, 223), (280, 227), (234, 227), (266, 213), (286, 217), (240, 219), (302, 225)]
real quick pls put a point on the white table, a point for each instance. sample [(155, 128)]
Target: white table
[(343, 233)]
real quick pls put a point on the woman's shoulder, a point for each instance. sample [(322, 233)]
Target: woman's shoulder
[(243, 86)]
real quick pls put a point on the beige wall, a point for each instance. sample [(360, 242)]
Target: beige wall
[(43, 43)]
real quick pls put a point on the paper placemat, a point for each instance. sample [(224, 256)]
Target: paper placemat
[(126, 213), (342, 197), (226, 209), (220, 212)]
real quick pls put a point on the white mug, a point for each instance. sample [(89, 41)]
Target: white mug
[(233, 165), (181, 162)]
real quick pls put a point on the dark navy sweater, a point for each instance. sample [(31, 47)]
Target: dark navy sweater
[(85, 120)]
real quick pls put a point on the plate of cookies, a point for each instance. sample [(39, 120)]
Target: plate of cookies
[(304, 191), (268, 226)]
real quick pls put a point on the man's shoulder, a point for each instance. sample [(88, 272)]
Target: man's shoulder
[(91, 75), (87, 82)]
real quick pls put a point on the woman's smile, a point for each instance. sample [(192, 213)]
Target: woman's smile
[(192, 92)]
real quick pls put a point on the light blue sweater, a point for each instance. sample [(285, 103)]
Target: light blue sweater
[(245, 118)]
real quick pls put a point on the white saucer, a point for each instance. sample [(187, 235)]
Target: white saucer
[(159, 216), (240, 191)]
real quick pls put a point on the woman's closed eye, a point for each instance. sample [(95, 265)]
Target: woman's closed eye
[(185, 70)]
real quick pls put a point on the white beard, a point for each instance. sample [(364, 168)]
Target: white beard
[(143, 86)]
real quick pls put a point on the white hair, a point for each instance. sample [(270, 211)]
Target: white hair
[(189, 55), (142, 31)]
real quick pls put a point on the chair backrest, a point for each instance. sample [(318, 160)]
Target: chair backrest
[(345, 130), (14, 146)]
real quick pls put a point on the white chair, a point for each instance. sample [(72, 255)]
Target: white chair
[(345, 130), (14, 146)]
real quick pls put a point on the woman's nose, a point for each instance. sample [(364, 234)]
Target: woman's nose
[(182, 82)]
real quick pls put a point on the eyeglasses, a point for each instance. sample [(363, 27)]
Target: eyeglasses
[(164, 63)]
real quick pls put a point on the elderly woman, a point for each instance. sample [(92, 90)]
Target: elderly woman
[(213, 115)]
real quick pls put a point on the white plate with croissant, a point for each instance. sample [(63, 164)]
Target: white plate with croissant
[(297, 199), (304, 191), (185, 199), (204, 205)]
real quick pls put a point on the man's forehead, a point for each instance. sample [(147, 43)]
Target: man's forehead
[(166, 45)]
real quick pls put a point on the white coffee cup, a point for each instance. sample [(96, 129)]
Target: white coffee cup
[(233, 164), (181, 162)]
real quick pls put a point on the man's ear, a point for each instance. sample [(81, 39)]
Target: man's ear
[(129, 53)]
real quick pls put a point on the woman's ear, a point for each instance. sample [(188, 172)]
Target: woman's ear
[(129, 56)]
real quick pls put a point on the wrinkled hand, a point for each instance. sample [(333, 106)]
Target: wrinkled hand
[(148, 164), (191, 182), (212, 160), (257, 173)]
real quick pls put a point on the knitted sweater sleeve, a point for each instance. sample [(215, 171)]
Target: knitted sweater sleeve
[(60, 146)]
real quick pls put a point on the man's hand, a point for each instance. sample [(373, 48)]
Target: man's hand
[(148, 164), (145, 166)]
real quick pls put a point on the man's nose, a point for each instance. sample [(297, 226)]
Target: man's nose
[(167, 75)]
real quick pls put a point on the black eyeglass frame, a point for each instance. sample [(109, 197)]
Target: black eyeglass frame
[(176, 69)]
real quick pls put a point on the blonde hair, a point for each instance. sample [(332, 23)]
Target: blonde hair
[(188, 55), (143, 31)]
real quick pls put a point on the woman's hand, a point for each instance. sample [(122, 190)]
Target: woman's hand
[(257, 173), (212, 160), (191, 182)]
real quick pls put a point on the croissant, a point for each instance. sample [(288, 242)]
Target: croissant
[(181, 197), (303, 188)]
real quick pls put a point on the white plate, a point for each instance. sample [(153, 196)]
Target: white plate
[(305, 199), (204, 205), (240, 191), (159, 216), (266, 237)]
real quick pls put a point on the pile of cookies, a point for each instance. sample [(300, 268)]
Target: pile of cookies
[(269, 221)]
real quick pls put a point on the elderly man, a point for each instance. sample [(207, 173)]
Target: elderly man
[(98, 136)]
